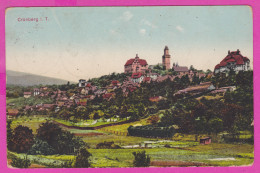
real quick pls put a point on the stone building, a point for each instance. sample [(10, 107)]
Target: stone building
[(166, 59), (136, 65)]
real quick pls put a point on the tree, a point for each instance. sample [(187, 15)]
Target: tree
[(41, 147), (63, 142), (22, 139), (20, 163), (9, 134), (141, 159), (168, 118), (82, 159), (216, 125)]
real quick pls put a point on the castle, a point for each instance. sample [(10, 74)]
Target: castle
[(137, 65)]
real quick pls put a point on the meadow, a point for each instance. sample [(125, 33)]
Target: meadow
[(181, 150)]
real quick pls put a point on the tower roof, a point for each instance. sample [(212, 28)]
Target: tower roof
[(166, 48)]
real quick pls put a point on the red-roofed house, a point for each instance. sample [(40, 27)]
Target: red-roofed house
[(147, 79), (115, 83), (136, 65), (137, 77), (12, 113), (27, 94), (235, 61), (108, 96)]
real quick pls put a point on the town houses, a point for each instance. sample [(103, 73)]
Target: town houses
[(137, 72)]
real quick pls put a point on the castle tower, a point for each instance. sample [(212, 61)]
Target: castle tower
[(166, 58)]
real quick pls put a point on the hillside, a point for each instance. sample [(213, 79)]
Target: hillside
[(27, 79)]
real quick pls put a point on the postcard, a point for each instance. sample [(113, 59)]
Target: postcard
[(136, 86)]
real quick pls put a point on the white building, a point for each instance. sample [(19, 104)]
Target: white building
[(82, 83), (235, 61)]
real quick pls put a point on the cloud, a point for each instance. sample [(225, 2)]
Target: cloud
[(179, 28), (113, 32), (148, 23), (127, 16), (142, 31)]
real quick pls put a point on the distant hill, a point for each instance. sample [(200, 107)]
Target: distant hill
[(27, 79)]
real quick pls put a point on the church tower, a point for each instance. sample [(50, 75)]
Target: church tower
[(166, 58)]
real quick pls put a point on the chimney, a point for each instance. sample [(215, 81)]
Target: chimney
[(229, 52), (238, 51)]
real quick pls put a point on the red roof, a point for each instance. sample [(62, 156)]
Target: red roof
[(147, 79), (131, 61), (217, 66), (107, 95), (115, 82), (136, 75), (234, 56), (13, 111), (88, 85), (154, 99)]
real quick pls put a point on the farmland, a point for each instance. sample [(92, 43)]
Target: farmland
[(181, 150)]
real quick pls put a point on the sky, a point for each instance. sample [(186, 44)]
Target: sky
[(84, 42)]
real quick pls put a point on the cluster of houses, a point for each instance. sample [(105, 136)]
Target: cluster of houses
[(141, 72)]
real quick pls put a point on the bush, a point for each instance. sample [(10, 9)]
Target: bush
[(20, 163), (107, 145), (82, 159), (141, 159), (67, 164), (63, 142), (22, 139), (41, 147)]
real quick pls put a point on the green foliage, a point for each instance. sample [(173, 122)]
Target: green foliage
[(22, 139), (20, 163), (107, 145), (41, 147), (82, 159), (9, 134), (62, 141), (141, 159)]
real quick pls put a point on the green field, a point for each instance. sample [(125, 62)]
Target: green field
[(213, 155), (181, 148)]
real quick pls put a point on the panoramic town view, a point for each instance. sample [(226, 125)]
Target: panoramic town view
[(169, 87)]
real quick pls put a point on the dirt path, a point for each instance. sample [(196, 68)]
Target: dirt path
[(176, 163)]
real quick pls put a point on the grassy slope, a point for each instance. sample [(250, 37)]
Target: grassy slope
[(201, 153), (21, 101)]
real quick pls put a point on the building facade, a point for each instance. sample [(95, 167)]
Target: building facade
[(166, 59), (136, 65), (233, 61)]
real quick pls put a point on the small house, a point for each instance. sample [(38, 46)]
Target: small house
[(205, 141), (12, 113), (27, 94)]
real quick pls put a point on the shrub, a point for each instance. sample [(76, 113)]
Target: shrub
[(63, 142), (22, 139), (67, 164), (141, 159), (82, 159), (107, 145), (20, 163), (41, 147)]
